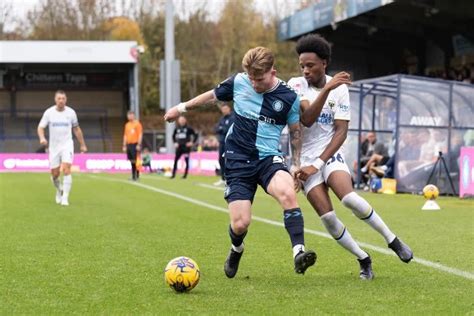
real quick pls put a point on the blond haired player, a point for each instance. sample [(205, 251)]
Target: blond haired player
[(263, 106), (61, 120)]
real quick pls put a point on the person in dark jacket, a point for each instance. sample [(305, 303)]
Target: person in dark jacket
[(184, 138), (221, 130)]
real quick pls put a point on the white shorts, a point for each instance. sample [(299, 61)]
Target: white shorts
[(63, 155), (335, 163)]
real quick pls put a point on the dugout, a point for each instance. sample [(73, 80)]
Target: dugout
[(99, 77), (416, 117)]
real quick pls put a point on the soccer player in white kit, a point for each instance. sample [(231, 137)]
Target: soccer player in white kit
[(325, 108), (60, 120)]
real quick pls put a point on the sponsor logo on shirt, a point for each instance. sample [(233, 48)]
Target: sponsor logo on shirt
[(59, 124), (326, 118), (344, 108)]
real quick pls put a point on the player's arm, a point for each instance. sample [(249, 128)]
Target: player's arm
[(202, 99), (340, 134), (40, 130), (41, 137), (295, 144), (311, 112), (80, 137)]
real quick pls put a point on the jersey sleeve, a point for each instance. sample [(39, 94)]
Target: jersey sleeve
[(343, 108), (225, 90), (299, 88), (294, 113), (74, 121), (44, 120)]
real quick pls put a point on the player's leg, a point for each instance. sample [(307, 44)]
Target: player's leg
[(318, 197), (55, 164), (239, 195), (186, 169), (177, 156), (240, 217), (67, 183), (55, 173), (340, 183), (132, 157), (67, 157), (281, 187)]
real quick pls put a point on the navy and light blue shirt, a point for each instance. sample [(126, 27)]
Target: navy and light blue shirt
[(259, 117)]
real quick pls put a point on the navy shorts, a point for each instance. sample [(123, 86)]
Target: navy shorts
[(243, 176)]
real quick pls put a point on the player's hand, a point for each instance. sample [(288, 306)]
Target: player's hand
[(189, 144), (83, 149), (305, 172), (138, 147), (43, 141), (339, 79), (176, 145), (124, 148), (296, 181), (172, 114)]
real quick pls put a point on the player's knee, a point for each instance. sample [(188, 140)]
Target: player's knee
[(287, 198), (241, 225), (55, 173), (359, 206)]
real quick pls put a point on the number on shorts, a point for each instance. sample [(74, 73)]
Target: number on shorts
[(337, 157)]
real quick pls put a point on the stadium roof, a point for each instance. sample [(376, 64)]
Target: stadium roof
[(401, 16), (68, 52)]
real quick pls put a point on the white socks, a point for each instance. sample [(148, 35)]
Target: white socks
[(337, 230), (365, 212), (297, 249), (67, 183)]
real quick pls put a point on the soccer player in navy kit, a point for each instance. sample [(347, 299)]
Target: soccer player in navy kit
[(263, 106)]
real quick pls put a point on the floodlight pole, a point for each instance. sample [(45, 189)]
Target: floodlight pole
[(169, 58)]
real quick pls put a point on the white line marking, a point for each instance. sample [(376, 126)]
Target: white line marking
[(434, 265), (204, 185)]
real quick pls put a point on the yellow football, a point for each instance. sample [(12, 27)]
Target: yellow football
[(430, 192), (182, 274)]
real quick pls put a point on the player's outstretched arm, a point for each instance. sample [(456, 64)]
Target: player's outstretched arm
[(80, 137), (311, 112), (202, 99), (340, 133), (41, 137)]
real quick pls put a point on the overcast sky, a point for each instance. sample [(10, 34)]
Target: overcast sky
[(21, 7)]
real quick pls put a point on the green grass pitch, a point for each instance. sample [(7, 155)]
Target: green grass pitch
[(105, 253)]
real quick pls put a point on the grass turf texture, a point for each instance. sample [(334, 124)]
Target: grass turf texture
[(105, 253)]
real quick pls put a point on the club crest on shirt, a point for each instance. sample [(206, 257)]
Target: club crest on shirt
[(331, 103), (277, 105)]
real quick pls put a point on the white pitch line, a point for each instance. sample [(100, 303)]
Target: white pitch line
[(427, 263), (208, 186)]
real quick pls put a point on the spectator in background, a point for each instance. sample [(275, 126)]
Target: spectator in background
[(132, 142), (146, 160), (376, 153), (221, 130), (184, 138)]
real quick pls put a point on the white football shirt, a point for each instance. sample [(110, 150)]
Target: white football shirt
[(60, 124), (317, 137)]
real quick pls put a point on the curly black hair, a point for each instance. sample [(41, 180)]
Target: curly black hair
[(314, 43)]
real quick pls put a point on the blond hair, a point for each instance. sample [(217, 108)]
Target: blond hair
[(258, 61)]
